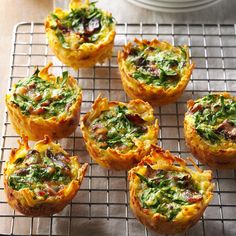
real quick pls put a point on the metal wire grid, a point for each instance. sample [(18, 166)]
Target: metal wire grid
[(101, 206)]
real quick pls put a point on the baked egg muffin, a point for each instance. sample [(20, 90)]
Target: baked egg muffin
[(154, 71), (210, 130), (166, 195), (44, 104), (40, 181), (118, 135), (81, 36)]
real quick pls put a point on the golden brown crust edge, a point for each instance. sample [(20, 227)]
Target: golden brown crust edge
[(189, 214), (36, 127), (77, 59), (156, 96), (23, 202), (112, 158), (222, 157)]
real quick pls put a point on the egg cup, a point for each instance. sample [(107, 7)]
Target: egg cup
[(154, 71)]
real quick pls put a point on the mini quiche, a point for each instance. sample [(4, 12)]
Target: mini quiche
[(210, 130), (82, 36), (166, 195), (44, 104), (154, 71), (40, 181), (118, 135)]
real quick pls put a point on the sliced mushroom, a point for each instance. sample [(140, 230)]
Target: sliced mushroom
[(22, 172), (140, 61), (153, 70), (92, 26), (32, 157), (196, 107), (192, 197), (101, 133), (21, 90), (136, 119), (228, 129)]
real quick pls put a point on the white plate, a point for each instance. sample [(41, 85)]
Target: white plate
[(177, 1), (173, 9), (175, 4)]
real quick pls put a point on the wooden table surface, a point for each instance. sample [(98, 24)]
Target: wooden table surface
[(12, 12)]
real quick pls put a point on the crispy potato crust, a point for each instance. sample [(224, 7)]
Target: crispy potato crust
[(113, 158), (220, 155), (190, 214), (87, 54), (156, 96), (24, 200), (35, 126)]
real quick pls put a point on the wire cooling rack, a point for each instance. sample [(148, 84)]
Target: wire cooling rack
[(101, 207)]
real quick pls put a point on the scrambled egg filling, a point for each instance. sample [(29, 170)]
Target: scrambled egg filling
[(44, 173), (166, 191), (215, 118), (36, 96), (117, 128), (86, 24), (156, 67)]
